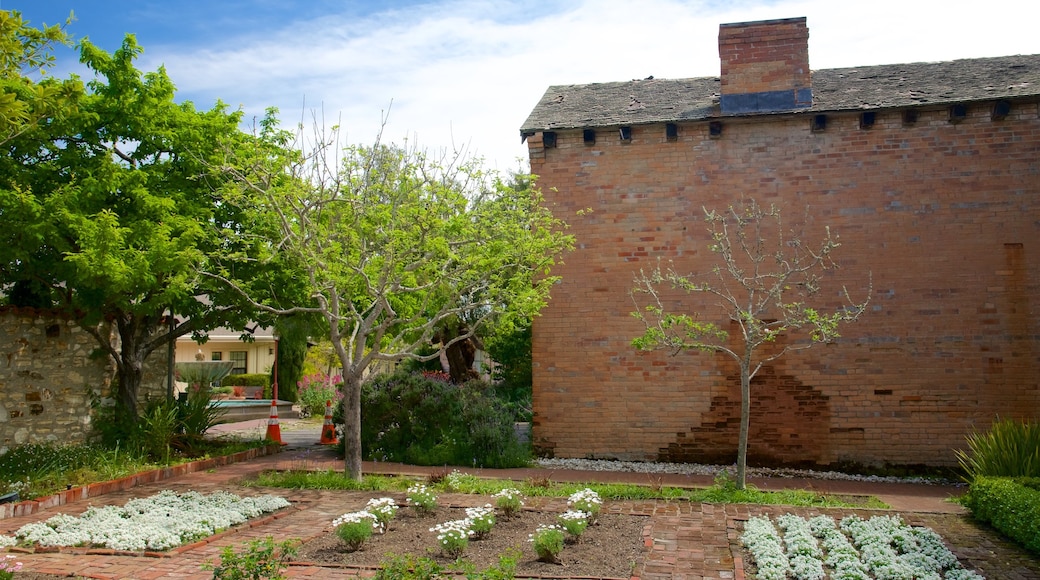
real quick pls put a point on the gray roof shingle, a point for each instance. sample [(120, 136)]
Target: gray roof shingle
[(840, 89)]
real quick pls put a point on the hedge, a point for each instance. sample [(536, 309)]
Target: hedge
[(1009, 505), (249, 380)]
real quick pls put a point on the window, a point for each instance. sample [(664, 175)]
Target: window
[(239, 360), (217, 356)]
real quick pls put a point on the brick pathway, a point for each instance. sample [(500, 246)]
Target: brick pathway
[(689, 541)]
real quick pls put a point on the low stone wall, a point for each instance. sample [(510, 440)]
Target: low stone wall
[(47, 378)]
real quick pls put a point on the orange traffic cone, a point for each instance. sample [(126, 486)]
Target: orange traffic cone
[(328, 430), (274, 431)]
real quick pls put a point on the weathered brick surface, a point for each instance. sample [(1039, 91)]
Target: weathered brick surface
[(764, 56), (943, 217)]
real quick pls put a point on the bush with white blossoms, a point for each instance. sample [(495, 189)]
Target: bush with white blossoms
[(842, 557), (481, 520), (762, 540), (458, 481), (574, 521), (355, 528), (159, 522), (422, 499), (384, 509), (586, 501), (509, 500), (803, 551), (453, 536), (882, 548)]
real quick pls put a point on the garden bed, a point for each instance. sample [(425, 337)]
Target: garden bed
[(611, 548)]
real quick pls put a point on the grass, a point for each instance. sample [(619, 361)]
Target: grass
[(36, 470), (719, 493)]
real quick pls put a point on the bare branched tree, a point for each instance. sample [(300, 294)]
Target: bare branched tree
[(390, 245), (767, 282)]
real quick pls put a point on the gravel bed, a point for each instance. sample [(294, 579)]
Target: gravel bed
[(700, 469)]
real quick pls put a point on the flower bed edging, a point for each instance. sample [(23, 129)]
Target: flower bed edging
[(34, 506)]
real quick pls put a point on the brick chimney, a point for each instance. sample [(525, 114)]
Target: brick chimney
[(765, 66)]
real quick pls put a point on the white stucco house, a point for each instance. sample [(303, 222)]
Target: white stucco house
[(225, 344)]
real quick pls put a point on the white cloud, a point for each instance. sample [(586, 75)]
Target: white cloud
[(471, 71)]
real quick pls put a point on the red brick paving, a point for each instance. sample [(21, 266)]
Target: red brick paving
[(689, 541)]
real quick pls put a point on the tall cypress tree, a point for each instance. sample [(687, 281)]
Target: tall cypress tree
[(293, 333)]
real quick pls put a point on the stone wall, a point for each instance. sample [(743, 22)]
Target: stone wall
[(48, 375), (941, 215)]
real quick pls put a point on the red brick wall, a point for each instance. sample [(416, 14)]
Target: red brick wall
[(945, 219), (769, 55)]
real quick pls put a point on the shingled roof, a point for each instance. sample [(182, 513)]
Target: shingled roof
[(840, 89)]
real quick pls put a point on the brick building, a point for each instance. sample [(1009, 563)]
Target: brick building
[(928, 172)]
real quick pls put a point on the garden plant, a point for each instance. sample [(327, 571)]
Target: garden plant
[(159, 522), (857, 549), (261, 559), (355, 528)]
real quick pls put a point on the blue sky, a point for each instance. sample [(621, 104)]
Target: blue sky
[(464, 74)]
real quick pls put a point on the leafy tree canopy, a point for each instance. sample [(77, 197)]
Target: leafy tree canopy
[(108, 204), (26, 52), (393, 244)]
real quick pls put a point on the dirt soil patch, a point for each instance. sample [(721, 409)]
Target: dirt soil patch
[(613, 547)]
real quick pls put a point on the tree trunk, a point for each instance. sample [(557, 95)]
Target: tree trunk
[(129, 373), (351, 425), (460, 361), (745, 421), (129, 385), (460, 355)]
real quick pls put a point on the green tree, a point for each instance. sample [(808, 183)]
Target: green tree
[(766, 282), (393, 244), (26, 52), (293, 336), (108, 204), (510, 349)]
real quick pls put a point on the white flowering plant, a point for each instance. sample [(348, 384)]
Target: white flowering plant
[(510, 501), (881, 547), (481, 520), (548, 542), (460, 482), (574, 522), (355, 528), (422, 498), (159, 522), (453, 537), (762, 540), (586, 501), (384, 509)]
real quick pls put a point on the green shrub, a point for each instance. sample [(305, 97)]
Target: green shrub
[(1009, 449), (313, 390), (1009, 506), (421, 420), (260, 559), (408, 568), (157, 428), (195, 416), (250, 380)]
